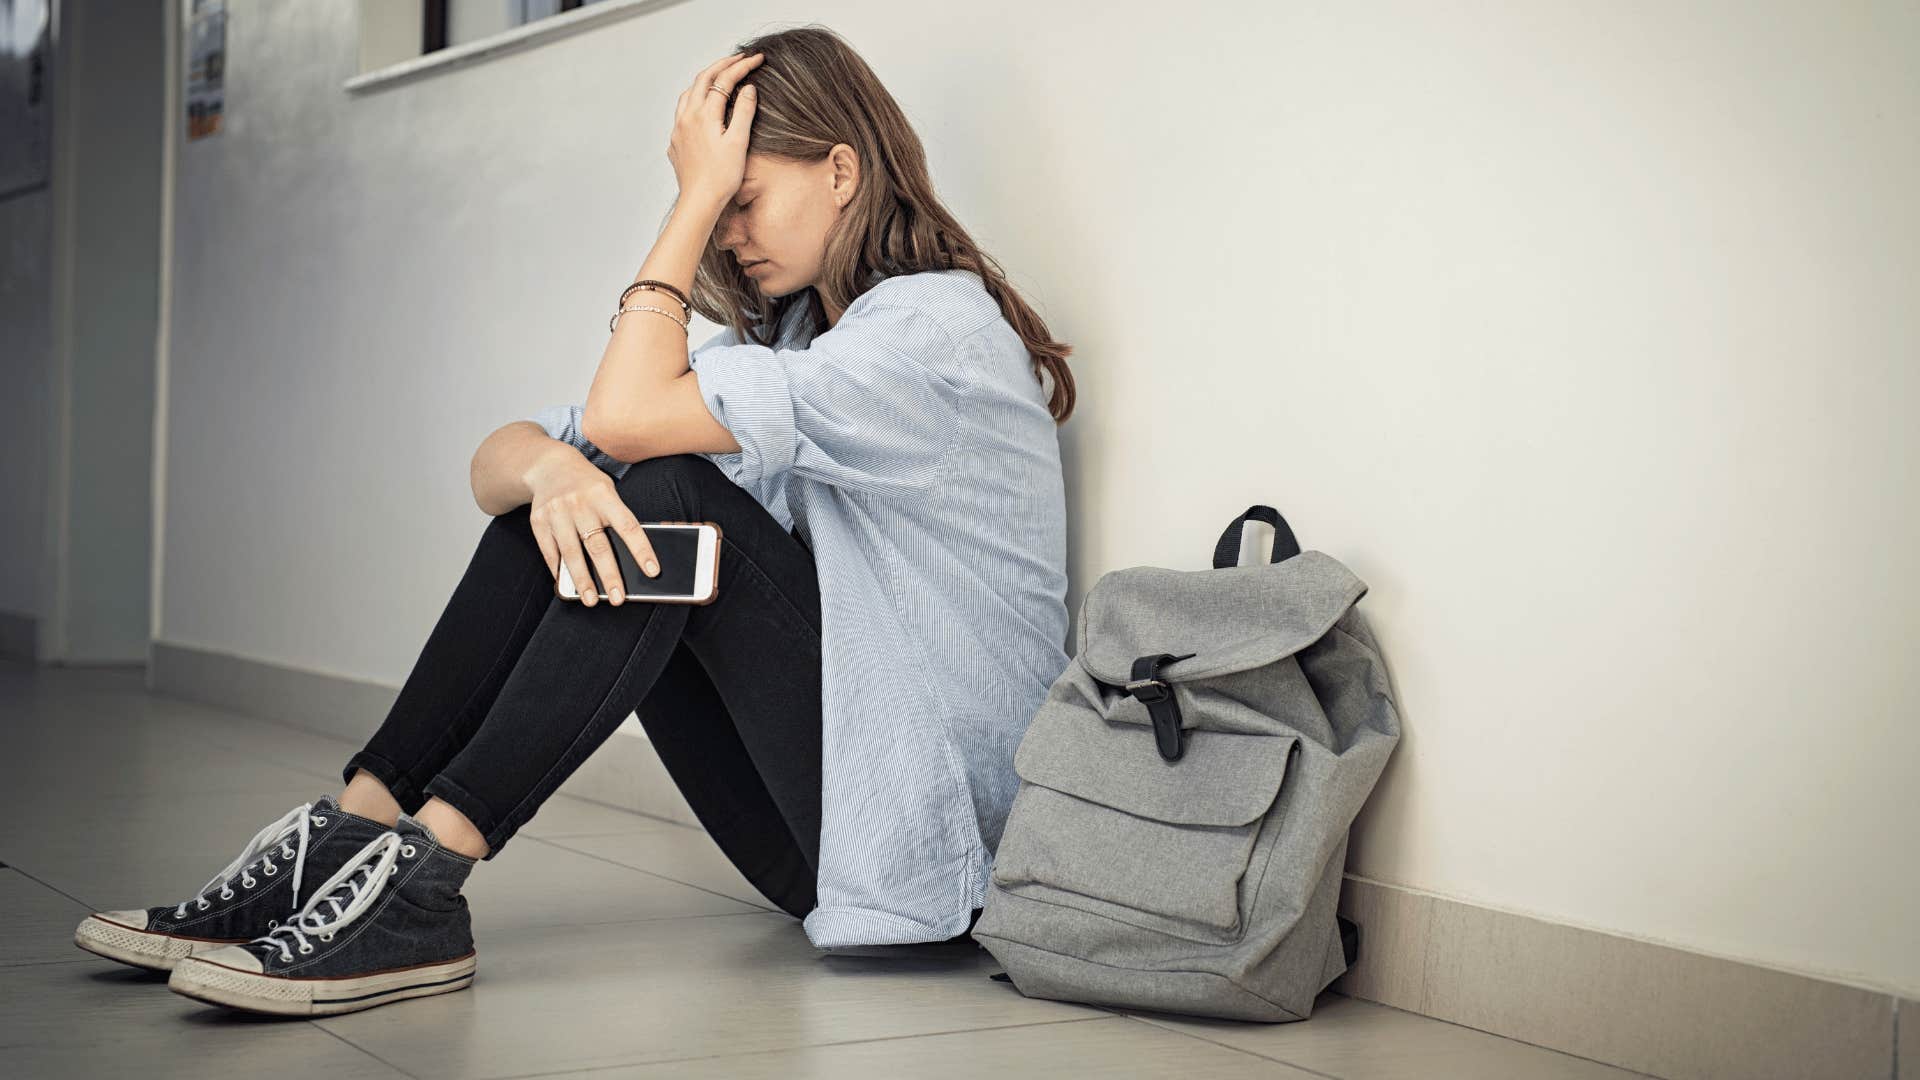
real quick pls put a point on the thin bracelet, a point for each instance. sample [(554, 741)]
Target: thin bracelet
[(658, 286), (654, 283), (669, 287), (611, 323)]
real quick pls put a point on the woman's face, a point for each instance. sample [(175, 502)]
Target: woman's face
[(780, 217)]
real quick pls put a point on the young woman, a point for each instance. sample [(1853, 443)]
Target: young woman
[(874, 434)]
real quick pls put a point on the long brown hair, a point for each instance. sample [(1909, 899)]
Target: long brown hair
[(813, 92)]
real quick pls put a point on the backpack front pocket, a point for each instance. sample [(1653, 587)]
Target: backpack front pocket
[(1125, 826)]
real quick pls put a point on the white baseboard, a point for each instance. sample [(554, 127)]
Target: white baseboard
[(1652, 1008)]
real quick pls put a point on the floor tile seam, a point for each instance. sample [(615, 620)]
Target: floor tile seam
[(1467, 1027), (650, 828), (1228, 1046), (201, 705), (9, 965), (364, 1050), (1895, 1048), (648, 1063), (651, 873), (1511, 1039), (650, 818), (207, 741), (494, 932), (302, 766), (15, 867)]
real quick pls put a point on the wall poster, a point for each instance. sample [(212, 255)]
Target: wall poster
[(206, 67)]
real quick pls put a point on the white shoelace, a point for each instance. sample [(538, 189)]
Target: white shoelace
[(298, 819), (376, 861)]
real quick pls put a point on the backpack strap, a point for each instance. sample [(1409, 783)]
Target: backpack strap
[(1147, 688)]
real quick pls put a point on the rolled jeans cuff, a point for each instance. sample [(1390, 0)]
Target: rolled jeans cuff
[(410, 798), (470, 807)]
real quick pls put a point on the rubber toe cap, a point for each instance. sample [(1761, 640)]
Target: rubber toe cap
[(136, 920), (233, 956)]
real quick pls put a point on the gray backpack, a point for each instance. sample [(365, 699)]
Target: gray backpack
[(1180, 831)]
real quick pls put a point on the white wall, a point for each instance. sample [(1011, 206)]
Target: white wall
[(27, 77), (1575, 329), (25, 338), (115, 117), (78, 324)]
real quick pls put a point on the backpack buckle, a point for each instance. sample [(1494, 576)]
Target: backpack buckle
[(1149, 689)]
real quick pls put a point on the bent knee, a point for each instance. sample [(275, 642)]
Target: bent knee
[(669, 468), (666, 484)]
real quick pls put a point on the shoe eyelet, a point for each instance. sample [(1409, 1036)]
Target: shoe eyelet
[(270, 869), (407, 850), (318, 820), (271, 923), (306, 948), (326, 937), (247, 882), (286, 957), (203, 903), (226, 893)]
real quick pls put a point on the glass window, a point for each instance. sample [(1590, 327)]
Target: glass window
[(456, 22)]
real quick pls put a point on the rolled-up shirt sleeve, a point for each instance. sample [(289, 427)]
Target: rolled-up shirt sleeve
[(562, 422), (870, 405)]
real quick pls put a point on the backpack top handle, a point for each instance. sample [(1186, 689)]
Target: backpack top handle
[(1227, 552)]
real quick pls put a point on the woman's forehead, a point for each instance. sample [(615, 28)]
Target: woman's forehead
[(768, 167)]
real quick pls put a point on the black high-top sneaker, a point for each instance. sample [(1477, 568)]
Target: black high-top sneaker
[(390, 925), (261, 888)]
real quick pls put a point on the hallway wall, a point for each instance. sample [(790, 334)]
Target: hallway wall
[(25, 288), (1582, 332), (79, 317)]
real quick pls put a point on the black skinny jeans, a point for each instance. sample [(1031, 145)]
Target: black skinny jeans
[(516, 687)]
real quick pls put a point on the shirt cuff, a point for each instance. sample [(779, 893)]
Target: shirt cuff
[(745, 388)]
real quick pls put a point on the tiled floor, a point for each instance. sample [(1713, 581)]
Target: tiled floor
[(608, 941)]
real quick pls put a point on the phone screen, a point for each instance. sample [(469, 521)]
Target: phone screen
[(675, 546)]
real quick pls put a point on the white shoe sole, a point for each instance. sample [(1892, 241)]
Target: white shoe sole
[(138, 948), (278, 995)]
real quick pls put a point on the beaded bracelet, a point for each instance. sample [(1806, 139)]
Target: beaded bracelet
[(611, 323), (660, 286)]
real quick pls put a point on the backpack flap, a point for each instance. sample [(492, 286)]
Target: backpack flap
[(1145, 629), (1099, 816), (1226, 778), (1230, 619)]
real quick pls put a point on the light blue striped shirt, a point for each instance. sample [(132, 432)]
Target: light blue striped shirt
[(911, 446)]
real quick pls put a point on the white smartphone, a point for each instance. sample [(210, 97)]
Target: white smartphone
[(689, 556)]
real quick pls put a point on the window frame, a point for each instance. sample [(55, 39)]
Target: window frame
[(433, 22)]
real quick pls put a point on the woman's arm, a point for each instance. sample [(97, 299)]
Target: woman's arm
[(562, 422), (505, 462), (644, 401)]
